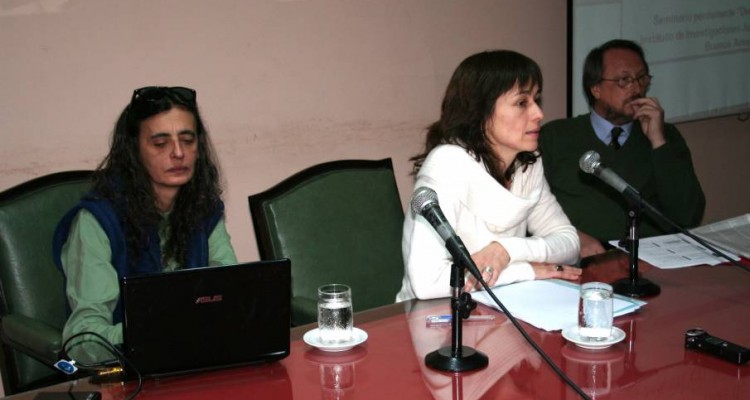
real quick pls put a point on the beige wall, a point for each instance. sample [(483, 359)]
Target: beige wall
[(721, 156), (282, 84)]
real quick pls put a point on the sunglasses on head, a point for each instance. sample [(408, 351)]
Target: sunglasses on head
[(155, 93)]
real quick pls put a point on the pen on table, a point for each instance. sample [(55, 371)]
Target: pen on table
[(446, 319)]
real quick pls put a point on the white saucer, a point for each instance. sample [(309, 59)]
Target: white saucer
[(571, 334), (312, 338)]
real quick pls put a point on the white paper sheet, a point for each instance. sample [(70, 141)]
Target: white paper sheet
[(675, 251), (549, 304)]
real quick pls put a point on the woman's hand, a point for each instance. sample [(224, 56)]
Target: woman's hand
[(549, 271), (491, 261)]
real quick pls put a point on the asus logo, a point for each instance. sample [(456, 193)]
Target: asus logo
[(209, 299)]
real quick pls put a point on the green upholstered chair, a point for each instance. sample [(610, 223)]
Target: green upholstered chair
[(338, 222), (32, 298)]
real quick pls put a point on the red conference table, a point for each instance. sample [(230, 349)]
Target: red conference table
[(651, 363)]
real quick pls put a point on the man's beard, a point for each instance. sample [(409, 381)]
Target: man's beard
[(619, 117)]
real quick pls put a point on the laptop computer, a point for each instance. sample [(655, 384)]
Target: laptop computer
[(205, 318)]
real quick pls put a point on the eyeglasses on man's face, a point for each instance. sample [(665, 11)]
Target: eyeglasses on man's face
[(624, 82)]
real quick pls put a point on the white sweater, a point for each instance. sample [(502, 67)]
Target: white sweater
[(481, 211)]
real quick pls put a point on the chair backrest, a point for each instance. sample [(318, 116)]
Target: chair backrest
[(338, 222), (31, 287)]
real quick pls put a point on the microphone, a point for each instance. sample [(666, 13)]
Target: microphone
[(425, 203), (590, 164), (458, 358)]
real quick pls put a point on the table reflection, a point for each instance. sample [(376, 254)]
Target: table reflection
[(595, 371), (498, 339), (337, 370), (270, 381)]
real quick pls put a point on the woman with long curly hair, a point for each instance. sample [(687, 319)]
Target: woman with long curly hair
[(155, 205), (481, 160)]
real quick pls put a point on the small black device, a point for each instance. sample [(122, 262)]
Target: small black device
[(699, 339)]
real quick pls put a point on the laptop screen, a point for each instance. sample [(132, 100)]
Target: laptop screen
[(205, 318)]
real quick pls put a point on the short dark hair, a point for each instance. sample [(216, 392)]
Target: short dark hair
[(469, 103), (593, 67)]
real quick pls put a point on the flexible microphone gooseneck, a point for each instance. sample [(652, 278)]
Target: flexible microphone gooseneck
[(633, 285), (589, 163), (425, 203)]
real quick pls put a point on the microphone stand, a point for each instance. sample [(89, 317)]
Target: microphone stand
[(634, 285), (457, 357), (457, 384)]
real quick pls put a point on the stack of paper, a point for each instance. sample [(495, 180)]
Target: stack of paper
[(732, 234), (549, 304), (675, 251)]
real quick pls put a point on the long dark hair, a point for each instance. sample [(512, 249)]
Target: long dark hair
[(469, 103), (122, 178)]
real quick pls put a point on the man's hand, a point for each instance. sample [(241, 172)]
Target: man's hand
[(590, 246), (650, 115)]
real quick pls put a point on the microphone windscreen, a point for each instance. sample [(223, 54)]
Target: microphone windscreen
[(589, 161), (422, 197)]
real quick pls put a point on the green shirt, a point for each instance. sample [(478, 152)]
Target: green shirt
[(93, 286)]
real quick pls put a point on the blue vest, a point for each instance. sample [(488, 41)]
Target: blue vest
[(150, 257)]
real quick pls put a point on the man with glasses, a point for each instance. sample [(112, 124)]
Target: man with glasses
[(627, 129)]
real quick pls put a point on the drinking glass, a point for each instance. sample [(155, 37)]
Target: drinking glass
[(595, 312), (335, 319)]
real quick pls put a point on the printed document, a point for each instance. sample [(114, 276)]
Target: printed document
[(549, 304), (675, 251)]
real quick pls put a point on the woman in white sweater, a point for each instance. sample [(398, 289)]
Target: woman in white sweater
[(481, 159)]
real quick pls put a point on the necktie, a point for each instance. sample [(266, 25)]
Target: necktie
[(615, 143)]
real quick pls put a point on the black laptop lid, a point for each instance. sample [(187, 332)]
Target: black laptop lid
[(205, 318)]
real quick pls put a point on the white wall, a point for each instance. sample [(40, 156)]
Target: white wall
[(282, 84)]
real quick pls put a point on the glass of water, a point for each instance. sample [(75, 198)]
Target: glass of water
[(595, 312), (335, 319)]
